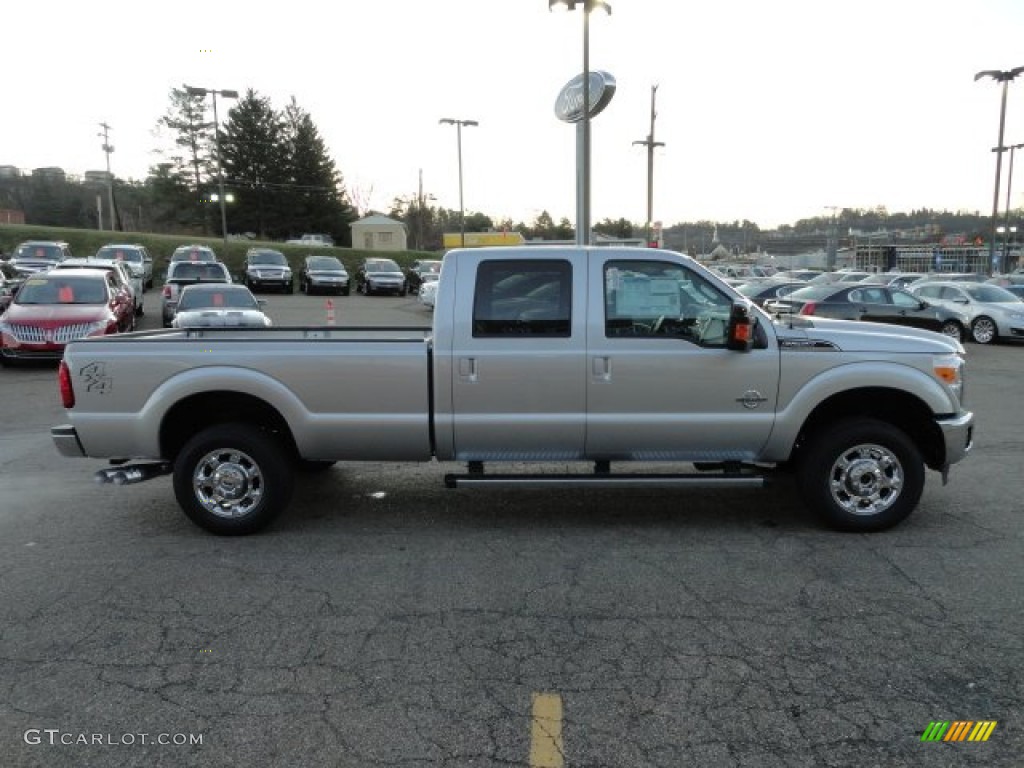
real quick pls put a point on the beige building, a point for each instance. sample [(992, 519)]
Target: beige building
[(378, 233)]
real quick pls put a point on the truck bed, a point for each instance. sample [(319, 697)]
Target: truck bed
[(347, 393)]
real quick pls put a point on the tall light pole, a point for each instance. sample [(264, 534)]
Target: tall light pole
[(650, 143), (1004, 77), (458, 131), (107, 148), (583, 191), (227, 94), (1006, 214)]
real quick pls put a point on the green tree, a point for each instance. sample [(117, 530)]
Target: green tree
[(187, 157), (254, 148), (315, 198), (621, 228)]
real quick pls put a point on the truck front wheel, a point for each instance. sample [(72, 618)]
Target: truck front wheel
[(232, 479), (863, 475)]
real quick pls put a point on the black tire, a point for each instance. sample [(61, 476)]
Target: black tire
[(953, 329), (861, 475), (243, 455), (984, 330)]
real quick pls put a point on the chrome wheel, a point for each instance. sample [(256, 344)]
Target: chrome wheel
[(866, 479), (984, 330), (228, 483)]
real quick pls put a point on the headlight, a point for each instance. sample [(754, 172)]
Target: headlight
[(949, 369)]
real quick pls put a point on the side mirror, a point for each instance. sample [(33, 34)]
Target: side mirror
[(961, 300), (922, 304), (740, 334)]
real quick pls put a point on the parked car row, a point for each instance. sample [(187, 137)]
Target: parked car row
[(962, 305)]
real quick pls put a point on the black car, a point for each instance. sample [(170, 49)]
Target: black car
[(380, 276), (38, 256), (267, 268), (761, 292), (871, 303), (323, 274), (420, 270)]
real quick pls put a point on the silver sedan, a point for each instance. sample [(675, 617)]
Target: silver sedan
[(993, 312)]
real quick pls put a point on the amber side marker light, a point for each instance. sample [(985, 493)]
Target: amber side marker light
[(67, 393)]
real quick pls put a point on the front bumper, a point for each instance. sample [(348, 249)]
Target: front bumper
[(329, 282), (66, 439), (270, 280), (958, 434)]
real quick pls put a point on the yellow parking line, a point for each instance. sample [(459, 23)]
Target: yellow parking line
[(546, 732)]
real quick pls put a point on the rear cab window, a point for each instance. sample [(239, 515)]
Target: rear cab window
[(523, 298)]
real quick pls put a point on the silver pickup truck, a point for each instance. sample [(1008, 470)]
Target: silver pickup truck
[(609, 356)]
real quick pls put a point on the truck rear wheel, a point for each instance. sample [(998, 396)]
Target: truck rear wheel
[(232, 479), (863, 475)]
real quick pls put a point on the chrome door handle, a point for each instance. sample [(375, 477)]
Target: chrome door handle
[(467, 368)]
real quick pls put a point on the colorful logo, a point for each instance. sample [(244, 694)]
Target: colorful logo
[(958, 730)]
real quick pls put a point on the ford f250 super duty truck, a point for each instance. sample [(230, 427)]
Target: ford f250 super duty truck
[(609, 356)]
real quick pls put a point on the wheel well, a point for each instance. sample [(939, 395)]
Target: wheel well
[(197, 412), (892, 406)]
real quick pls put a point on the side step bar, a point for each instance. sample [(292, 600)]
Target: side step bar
[(605, 480)]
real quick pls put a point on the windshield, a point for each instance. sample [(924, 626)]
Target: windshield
[(992, 294), (120, 254), (38, 252), (325, 263), (276, 258), (198, 253), (207, 271), (382, 266), (195, 297), (63, 289)]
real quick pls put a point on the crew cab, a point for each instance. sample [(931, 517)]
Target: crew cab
[(616, 357)]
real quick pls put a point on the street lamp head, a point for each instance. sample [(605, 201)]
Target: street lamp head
[(1000, 76), (228, 94), (588, 5), (193, 91)]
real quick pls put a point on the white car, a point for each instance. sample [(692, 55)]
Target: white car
[(219, 305), (992, 312), (428, 292)]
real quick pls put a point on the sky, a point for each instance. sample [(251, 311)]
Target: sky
[(769, 111)]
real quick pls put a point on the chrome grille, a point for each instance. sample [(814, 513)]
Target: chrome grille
[(33, 334)]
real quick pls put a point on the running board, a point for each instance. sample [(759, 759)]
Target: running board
[(598, 480)]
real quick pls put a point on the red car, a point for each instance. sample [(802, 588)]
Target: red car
[(54, 308)]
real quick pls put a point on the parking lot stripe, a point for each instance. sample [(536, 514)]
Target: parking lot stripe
[(546, 731)]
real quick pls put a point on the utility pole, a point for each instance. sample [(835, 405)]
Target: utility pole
[(650, 143), (832, 244), (110, 179)]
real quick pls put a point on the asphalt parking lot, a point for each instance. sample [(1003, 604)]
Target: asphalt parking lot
[(386, 621)]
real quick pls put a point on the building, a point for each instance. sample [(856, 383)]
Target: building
[(379, 233), (481, 239)]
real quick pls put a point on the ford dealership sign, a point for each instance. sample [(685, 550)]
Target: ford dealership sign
[(569, 105)]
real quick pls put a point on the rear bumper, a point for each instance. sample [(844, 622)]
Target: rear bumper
[(958, 434), (66, 439), (33, 352)]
